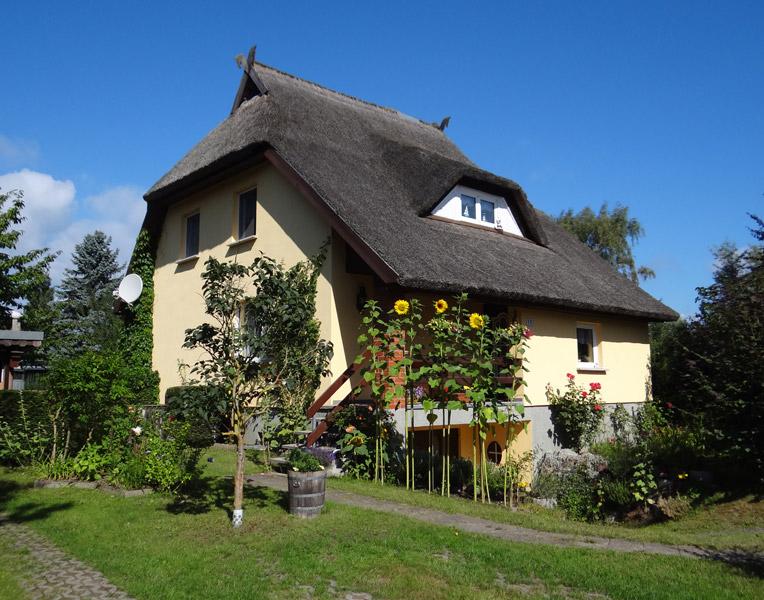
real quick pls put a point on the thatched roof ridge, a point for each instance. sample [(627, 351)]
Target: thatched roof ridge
[(380, 173)]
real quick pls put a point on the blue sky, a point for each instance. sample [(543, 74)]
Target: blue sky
[(657, 106)]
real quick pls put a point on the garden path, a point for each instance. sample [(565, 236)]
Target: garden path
[(512, 533), (50, 573)]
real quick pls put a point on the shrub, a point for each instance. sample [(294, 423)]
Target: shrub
[(576, 414), (304, 462), (169, 461), (674, 507), (130, 473), (616, 494), (91, 462), (25, 434), (60, 468), (202, 407), (580, 497)]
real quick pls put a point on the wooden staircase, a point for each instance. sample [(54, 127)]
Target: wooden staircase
[(320, 402)]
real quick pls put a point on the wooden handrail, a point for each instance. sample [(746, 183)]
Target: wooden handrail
[(327, 394)]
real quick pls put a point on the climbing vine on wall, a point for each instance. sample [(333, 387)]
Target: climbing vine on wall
[(138, 341)]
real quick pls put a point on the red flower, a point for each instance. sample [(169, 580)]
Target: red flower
[(598, 407), (669, 405), (595, 386), (528, 333), (584, 394), (571, 376)]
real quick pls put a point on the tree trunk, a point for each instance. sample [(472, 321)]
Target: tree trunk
[(238, 481)]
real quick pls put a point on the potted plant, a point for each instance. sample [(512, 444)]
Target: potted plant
[(307, 484)]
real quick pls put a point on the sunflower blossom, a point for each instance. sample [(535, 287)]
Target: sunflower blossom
[(477, 321), (401, 307), (441, 306)]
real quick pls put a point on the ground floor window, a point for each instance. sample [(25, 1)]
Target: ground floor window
[(494, 452), (422, 441)]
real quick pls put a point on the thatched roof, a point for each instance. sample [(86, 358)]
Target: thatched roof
[(379, 173)]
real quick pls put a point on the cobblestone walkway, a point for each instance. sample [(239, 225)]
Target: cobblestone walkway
[(51, 574), (512, 533)]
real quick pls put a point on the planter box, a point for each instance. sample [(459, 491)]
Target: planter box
[(307, 493)]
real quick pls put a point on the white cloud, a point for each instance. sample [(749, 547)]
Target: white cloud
[(57, 219), (16, 151), (48, 204)]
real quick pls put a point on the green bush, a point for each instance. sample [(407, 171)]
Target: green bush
[(579, 497), (61, 468), (130, 473), (304, 462), (169, 461), (616, 494), (202, 407), (91, 462)]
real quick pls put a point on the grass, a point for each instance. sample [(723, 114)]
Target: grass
[(159, 547), (10, 571), (735, 523)]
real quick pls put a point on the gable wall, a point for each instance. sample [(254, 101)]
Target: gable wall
[(287, 229)]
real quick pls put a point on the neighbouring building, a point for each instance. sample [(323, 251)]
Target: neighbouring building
[(407, 213)]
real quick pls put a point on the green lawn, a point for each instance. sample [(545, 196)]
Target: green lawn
[(157, 547), (735, 523)]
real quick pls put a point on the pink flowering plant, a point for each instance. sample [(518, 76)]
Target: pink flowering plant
[(577, 412)]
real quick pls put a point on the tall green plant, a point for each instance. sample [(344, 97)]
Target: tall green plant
[(495, 369)]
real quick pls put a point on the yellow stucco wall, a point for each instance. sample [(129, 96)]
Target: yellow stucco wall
[(624, 352), (290, 230), (287, 229)]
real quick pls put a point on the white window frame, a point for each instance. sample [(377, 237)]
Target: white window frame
[(595, 346)]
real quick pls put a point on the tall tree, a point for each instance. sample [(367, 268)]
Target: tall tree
[(611, 234), (254, 342), (40, 315), (709, 369), (20, 272), (86, 320)]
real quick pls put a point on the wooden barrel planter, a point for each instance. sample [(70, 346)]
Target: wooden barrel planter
[(307, 492)]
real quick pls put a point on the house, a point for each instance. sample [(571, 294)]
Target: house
[(407, 214), (14, 344)]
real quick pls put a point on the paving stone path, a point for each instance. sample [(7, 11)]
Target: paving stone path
[(503, 531), (50, 573)]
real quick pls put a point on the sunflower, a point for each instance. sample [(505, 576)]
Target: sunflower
[(441, 306), (477, 321), (401, 307)]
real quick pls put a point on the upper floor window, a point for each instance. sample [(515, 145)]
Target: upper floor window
[(192, 235), (480, 208), (586, 338), (247, 214), (468, 206)]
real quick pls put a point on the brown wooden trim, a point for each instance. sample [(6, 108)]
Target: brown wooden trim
[(378, 265)]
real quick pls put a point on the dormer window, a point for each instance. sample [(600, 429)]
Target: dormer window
[(479, 208), (468, 206), (486, 211)]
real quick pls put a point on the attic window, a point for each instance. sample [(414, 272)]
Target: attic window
[(479, 208)]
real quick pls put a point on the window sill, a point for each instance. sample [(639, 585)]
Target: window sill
[(585, 369), (249, 238), (187, 259)]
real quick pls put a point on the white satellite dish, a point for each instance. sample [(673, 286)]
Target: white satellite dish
[(130, 288)]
